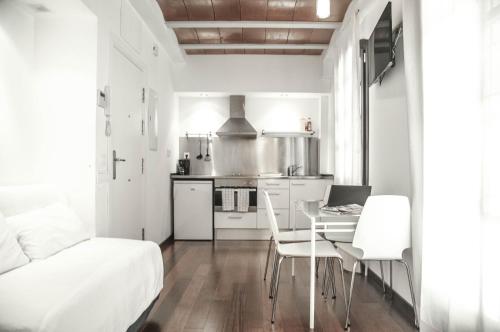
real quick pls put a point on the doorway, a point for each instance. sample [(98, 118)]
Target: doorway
[(126, 196)]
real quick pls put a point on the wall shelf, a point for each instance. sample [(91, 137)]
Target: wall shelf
[(288, 133)]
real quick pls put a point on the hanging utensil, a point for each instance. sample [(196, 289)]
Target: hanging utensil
[(207, 156), (200, 156)]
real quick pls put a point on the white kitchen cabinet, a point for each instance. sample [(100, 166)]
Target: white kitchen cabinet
[(282, 218), (280, 198), (193, 210), (273, 184), (236, 220), (305, 189)]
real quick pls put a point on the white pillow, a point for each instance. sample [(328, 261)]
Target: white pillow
[(11, 254), (46, 231)]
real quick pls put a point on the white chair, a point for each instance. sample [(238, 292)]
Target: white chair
[(289, 237), (324, 249), (382, 234)]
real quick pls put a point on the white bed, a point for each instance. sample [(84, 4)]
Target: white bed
[(99, 284)]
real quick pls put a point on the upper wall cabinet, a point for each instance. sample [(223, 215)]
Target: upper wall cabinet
[(130, 26)]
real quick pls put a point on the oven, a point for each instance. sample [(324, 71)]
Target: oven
[(234, 184)]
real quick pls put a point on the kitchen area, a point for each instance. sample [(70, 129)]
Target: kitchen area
[(236, 146)]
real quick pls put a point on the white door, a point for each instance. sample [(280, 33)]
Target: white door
[(126, 189), (193, 210)]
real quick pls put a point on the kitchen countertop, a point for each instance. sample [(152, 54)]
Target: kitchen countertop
[(298, 177)]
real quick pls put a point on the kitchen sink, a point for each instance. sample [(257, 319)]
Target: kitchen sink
[(304, 176)]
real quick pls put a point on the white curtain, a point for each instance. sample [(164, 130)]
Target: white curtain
[(346, 96), (454, 105), (413, 64)]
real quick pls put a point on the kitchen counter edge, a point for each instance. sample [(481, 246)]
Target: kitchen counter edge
[(210, 177)]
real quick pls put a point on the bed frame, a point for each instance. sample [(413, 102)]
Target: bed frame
[(139, 323)]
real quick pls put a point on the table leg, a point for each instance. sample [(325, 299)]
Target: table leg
[(313, 273), (294, 228)]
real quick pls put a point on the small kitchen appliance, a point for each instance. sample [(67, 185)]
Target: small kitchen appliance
[(183, 167)]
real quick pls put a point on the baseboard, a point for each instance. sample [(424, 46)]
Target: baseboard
[(242, 234), (164, 245), (397, 301)]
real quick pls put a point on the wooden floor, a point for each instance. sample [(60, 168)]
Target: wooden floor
[(219, 287)]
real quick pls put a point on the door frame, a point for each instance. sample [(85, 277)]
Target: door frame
[(119, 45)]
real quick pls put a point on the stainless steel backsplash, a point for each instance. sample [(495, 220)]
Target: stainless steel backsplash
[(252, 156)]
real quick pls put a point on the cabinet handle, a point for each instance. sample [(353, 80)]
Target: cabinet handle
[(298, 184), (233, 217), (272, 184), (277, 214), (273, 194), (192, 189)]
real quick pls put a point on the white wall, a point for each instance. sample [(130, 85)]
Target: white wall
[(112, 30), (48, 84), (270, 113), (389, 142), (389, 148), (327, 130), (250, 73), (65, 98), (50, 128), (389, 170), (17, 61), (207, 112)]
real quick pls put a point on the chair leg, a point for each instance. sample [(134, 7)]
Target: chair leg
[(324, 278), (268, 254), (347, 321), (332, 273), (390, 278), (341, 265), (277, 282), (328, 275), (412, 292), (317, 267), (382, 275), (273, 275)]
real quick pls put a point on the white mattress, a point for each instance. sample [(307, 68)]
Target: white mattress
[(97, 285)]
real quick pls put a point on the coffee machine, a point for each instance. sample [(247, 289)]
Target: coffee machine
[(183, 167)]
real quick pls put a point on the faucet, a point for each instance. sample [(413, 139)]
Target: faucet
[(292, 170)]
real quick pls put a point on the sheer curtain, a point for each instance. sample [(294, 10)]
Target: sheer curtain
[(346, 95), (413, 64), (457, 112)]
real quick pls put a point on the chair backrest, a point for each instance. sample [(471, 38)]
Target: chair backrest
[(343, 195), (383, 230), (18, 199), (326, 196), (273, 224)]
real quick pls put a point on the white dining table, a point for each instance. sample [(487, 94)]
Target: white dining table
[(323, 222)]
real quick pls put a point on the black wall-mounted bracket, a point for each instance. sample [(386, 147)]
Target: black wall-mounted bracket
[(365, 110)]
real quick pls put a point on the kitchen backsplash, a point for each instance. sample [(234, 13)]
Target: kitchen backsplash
[(252, 156)]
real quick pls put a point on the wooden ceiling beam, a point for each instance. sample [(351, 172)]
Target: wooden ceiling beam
[(254, 46), (253, 24)]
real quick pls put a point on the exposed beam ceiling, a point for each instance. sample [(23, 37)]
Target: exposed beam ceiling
[(253, 24), (254, 46)]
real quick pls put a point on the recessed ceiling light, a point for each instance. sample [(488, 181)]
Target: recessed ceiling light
[(323, 8)]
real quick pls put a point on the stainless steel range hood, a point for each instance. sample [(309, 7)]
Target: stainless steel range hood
[(237, 125)]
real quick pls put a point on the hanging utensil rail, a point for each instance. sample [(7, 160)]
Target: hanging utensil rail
[(197, 135)]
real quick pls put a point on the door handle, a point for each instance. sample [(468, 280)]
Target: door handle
[(115, 160)]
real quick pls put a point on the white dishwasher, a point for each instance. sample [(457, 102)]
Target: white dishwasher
[(193, 210)]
